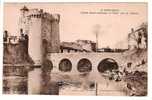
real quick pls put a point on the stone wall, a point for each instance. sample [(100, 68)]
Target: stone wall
[(50, 33), (16, 53), (16, 62)]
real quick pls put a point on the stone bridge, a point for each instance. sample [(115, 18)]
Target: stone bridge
[(93, 64), (74, 59), (71, 67)]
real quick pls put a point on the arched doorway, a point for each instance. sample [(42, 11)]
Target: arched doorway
[(65, 65), (107, 64), (84, 65)]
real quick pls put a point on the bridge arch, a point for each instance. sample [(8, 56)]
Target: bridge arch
[(84, 65), (47, 65), (65, 65), (107, 64)]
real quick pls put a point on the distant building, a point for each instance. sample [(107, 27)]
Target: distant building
[(138, 37), (78, 46), (68, 47), (88, 45)]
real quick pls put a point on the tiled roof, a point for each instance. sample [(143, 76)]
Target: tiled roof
[(71, 45)]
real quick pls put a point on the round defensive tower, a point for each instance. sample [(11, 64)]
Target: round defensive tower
[(43, 34), (35, 43), (43, 38)]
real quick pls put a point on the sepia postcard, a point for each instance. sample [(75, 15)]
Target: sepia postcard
[(75, 49)]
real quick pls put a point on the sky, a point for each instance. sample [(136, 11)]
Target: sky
[(78, 20)]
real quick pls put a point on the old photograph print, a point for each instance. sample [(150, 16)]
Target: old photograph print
[(95, 49)]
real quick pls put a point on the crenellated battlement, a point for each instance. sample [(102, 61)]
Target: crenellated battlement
[(36, 13), (14, 39), (37, 23), (51, 17)]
